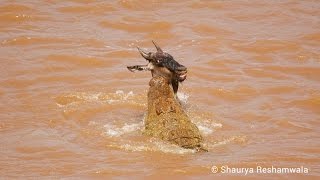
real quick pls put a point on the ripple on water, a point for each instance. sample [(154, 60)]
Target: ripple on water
[(140, 27), (153, 146), (114, 131), (268, 46), (16, 8), (294, 126), (80, 61), (254, 63), (307, 72), (210, 30), (98, 9), (26, 40), (104, 98), (124, 130), (311, 103), (17, 13)]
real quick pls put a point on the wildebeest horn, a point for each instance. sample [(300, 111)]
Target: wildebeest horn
[(158, 47), (144, 54)]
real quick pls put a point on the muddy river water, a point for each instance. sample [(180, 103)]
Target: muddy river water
[(69, 108)]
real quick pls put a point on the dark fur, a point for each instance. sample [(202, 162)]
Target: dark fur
[(162, 64)]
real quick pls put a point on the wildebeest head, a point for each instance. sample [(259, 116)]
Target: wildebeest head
[(165, 60)]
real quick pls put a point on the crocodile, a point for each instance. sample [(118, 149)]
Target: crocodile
[(166, 118)]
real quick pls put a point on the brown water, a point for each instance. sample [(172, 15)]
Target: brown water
[(70, 108)]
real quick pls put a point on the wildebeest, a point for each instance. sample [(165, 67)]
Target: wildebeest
[(162, 64)]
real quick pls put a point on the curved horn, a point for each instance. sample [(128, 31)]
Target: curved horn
[(144, 54), (158, 47)]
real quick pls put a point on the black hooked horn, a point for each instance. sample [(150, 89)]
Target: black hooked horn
[(144, 54), (158, 47)]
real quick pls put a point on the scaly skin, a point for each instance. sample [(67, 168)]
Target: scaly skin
[(166, 119)]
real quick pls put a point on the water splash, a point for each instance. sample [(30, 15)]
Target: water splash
[(183, 97), (153, 145), (124, 131), (114, 131), (78, 98), (241, 139)]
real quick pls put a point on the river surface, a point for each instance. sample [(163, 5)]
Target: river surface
[(69, 108)]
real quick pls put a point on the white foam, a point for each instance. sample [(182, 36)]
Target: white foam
[(183, 97), (78, 98), (129, 94), (111, 101), (223, 142), (171, 148), (121, 96), (233, 139), (87, 96), (156, 146), (205, 130), (96, 97), (114, 131), (134, 148), (119, 92), (207, 127)]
